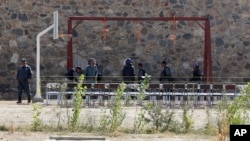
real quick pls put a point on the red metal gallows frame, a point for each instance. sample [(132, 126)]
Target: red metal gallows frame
[(208, 76)]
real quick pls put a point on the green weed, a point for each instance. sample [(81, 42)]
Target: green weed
[(36, 124), (187, 121), (111, 119), (80, 92)]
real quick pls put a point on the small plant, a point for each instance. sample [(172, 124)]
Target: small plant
[(104, 120), (140, 121), (89, 124), (117, 114), (187, 122), (80, 92), (36, 125), (64, 88), (127, 99), (155, 115), (209, 128), (58, 115), (223, 128), (3, 128), (11, 128), (142, 89), (169, 124), (161, 120), (111, 121)]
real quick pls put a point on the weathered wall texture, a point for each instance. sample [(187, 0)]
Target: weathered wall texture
[(22, 20)]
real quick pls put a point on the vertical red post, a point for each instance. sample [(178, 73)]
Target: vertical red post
[(70, 47), (207, 54), (205, 76)]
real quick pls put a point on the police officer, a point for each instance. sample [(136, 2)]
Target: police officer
[(128, 72), (24, 75)]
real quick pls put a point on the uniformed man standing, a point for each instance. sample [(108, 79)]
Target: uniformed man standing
[(24, 75)]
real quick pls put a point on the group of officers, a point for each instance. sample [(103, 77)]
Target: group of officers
[(128, 73), (93, 73)]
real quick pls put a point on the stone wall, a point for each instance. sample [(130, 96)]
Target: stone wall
[(22, 20)]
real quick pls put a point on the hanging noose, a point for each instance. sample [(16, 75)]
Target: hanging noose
[(138, 31), (105, 30), (173, 36)]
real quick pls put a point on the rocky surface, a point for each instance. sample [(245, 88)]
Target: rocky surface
[(22, 20)]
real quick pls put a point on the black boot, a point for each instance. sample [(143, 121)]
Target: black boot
[(29, 100), (19, 102)]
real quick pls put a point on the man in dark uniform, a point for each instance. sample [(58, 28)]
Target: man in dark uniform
[(141, 73), (24, 75), (165, 75), (128, 72), (196, 73)]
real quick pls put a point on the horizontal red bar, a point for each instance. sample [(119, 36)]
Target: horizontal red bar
[(141, 18)]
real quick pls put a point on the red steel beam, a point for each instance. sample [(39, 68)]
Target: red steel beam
[(70, 47), (141, 18), (207, 46), (200, 25), (77, 25), (208, 59)]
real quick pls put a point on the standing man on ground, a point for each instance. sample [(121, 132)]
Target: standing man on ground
[(24, 75)]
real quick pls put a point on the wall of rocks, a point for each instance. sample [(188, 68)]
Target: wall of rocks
[(22, 20)]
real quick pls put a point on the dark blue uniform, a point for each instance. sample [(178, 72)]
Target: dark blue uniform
[(24, 74), (128, 72), (141, 74)]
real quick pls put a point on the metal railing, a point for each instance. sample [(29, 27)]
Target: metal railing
[(170, 94)]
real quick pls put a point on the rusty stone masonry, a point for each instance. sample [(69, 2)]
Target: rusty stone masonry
[(22, 20)]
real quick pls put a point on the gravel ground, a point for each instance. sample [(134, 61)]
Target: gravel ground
[(13, 115)]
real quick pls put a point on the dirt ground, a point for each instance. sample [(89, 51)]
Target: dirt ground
[(14, 116)]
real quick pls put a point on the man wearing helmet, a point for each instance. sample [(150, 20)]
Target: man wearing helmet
[(196, 73), (128, 72)]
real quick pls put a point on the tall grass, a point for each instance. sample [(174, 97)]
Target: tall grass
[(233, 113)]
